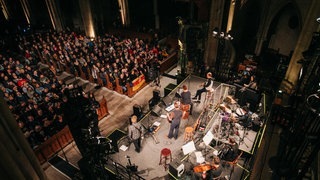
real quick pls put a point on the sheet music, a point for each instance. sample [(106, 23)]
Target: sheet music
[(170, 108), (208, 138), (156, 123), (188, 148), (163, 116), (199, 157), (123, 147)]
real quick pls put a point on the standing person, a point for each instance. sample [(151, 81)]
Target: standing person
[(156, 69), (186, 98), (207, 86), (135, 133), (174, 118)]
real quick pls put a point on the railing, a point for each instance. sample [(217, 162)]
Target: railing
[(168, 62), (53, 145)]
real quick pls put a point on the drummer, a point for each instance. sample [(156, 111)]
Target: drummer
[(213, 172)]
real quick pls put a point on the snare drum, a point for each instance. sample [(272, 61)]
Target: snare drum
[(240, 112)]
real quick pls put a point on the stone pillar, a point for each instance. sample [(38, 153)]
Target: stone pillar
[(87, 20), (124, 11), (309, 27), (54, 15), (26, 10), (216, 17), (156, 14), (263, 29), (18, 159)]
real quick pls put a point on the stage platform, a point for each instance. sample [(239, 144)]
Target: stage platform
[(205, 118)]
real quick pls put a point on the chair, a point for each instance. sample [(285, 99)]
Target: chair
[(188, 134), (165, 155)]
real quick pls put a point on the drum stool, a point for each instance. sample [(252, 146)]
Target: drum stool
[(165, 155)]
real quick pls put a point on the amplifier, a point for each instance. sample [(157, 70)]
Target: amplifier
[(176, 168)]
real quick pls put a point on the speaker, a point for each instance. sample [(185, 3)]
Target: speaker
[(167, 101), (156, 111), (156, 95), (137, 111), (176, 168)]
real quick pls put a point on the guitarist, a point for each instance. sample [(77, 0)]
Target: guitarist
[(174, 118), (135, 133), (206, 87)]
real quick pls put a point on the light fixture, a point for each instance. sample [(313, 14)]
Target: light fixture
[(222, 35), (318, 19)]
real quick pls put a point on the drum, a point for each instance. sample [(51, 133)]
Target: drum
[(240, 112)]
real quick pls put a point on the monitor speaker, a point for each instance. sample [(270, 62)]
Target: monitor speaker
[(156, 94), (167, 101), (156, 111), (176, 168), (137, 111)]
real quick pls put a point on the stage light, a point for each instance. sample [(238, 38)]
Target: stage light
[(280, 91), (318, 19)]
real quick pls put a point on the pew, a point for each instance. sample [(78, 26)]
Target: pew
[(137, 85), (168, 62), (102, 111), (109, 83), (118, 87), (53, 145)]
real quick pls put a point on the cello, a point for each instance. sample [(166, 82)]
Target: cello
[(202, 168)]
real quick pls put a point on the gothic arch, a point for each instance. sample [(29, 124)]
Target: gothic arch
[(278, 32)]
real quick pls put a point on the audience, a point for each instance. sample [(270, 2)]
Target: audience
[(35, 95)]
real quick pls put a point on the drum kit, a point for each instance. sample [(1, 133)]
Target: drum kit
[(231, 114)]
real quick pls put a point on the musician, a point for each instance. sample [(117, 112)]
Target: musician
[(186, 97), (208, 171), (206, 87), (231, 151), (174, 118), (135, 133)]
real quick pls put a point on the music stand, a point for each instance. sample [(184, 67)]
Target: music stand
[(188, 148), (208, 138)]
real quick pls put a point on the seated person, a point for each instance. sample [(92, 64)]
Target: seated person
[(252, 83), (211, 170), (230, 151), (206, 87)]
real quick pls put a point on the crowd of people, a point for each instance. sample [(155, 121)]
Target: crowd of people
[(36, 96)]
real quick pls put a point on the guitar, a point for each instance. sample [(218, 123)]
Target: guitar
[(170, 116)]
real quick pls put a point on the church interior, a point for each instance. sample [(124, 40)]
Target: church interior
[(161, 89)]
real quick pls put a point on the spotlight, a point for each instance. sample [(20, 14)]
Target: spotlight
[(280, 91), (318, 19)]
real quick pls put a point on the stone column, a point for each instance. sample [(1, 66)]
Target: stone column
[(216, 17), (54, 15), (263, 29), (156, 14), (18, 159), (309, 27), (26, 10), (87, 20), (124, 11)]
